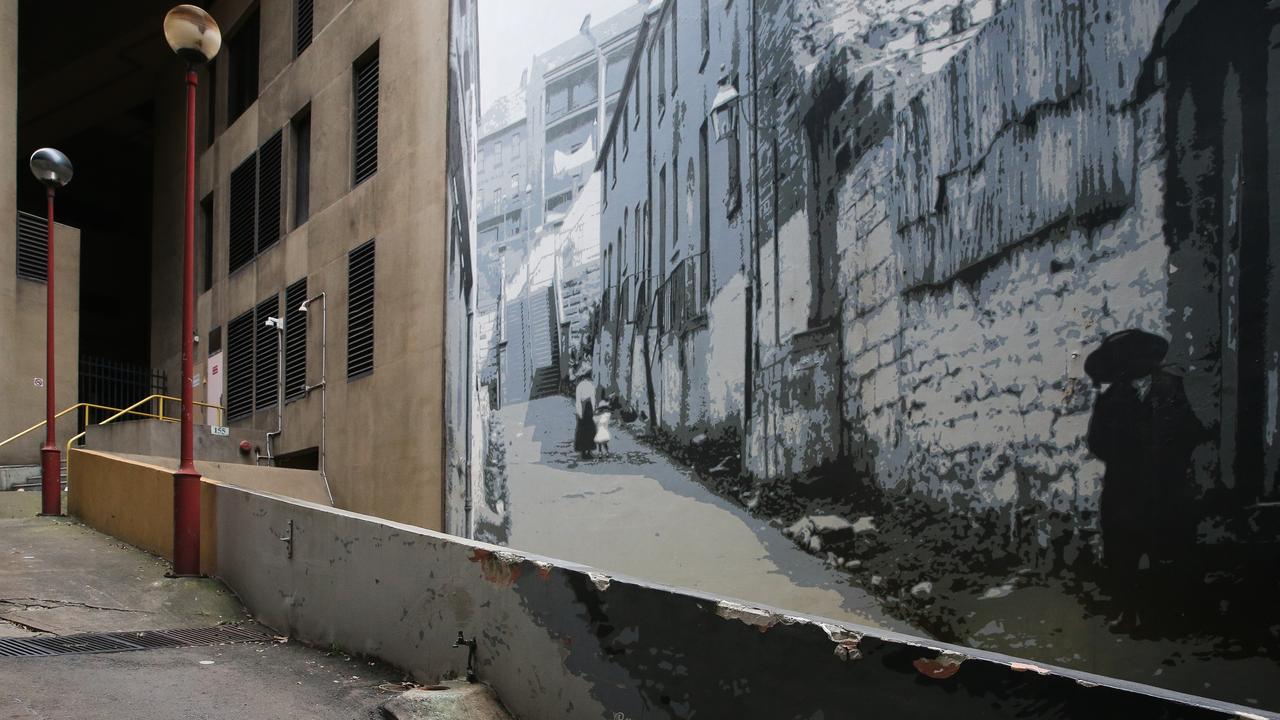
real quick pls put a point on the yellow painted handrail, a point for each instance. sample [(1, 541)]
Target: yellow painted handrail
[(87, 407), (133, 410)]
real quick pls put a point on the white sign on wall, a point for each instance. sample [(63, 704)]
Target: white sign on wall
[(214, 381)]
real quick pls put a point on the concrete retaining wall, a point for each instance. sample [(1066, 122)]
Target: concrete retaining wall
[(159, 438), (558, 640), (131, 496), (133, 501)]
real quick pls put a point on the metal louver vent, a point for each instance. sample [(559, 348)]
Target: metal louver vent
[(244, 181), (360, 273), (304, 19), (266, 353), (269, 169), (295, 339), (33, 246), (365, 155), (240, 366)]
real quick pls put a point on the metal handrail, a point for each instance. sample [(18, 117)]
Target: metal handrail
[(132, 410), (87, 407)]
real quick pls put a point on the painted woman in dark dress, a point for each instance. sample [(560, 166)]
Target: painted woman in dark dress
[(1144, 429), (584, 432)]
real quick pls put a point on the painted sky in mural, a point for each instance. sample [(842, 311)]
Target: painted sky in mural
[(948, 317)]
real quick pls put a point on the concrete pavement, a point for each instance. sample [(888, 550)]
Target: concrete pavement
[(60, 577)]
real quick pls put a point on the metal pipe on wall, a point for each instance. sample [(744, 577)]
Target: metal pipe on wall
[(324, 378), (278, 324)]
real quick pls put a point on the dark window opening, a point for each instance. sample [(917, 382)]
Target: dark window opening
[(242, 70), (211, 101), (270, 161), (206, 234), (302, 167)]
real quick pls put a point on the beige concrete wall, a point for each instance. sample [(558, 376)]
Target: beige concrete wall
[(133, 501), (23, 302), (22, 340), (384, 432), (298, 484)]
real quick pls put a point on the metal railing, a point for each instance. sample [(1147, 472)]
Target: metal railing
[(159, 415), (87, 407)]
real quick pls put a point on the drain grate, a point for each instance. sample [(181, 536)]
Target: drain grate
[(44, 646)]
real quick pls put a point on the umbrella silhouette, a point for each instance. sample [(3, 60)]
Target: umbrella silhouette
[(1126, 355)]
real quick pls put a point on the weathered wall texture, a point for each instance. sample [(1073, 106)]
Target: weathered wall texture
[(560, 640)]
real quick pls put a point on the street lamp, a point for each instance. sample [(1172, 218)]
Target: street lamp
[(195, 37), (54, 170), (724, 116)]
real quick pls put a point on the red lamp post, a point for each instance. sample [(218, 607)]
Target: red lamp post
[(195, 37), (54, 170)]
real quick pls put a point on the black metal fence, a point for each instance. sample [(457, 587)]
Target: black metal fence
[(117, 384)]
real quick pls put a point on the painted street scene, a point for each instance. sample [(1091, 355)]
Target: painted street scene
[(952, 318)]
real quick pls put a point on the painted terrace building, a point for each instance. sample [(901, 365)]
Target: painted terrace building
[(884, 274)]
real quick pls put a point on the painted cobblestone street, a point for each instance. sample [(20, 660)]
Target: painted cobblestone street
[(629, 512), (634, 512)]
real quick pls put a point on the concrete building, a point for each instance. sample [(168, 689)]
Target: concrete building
[(536, 153), (320, 170)]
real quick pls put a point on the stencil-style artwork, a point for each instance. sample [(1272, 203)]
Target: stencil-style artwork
[(955, 318)]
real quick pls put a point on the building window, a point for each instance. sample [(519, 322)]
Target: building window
[(733, 198), (675, 46), (241, 213), (497, 155), (704, 213), (303, 22), (635, 98), (33, 247), (239, 391), (254, 204), (210, 101), (270, 182), (662, 223), (206, 234), (242, 70), (360, 276), (295, 340), (266, 354), (301, 131), (497, 200), (515, 184), (706, 32), (662, 70), (365, 83)]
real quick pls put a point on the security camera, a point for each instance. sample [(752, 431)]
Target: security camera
[(274, 322)]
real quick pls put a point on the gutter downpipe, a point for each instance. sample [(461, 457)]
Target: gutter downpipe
[(323, 384), (278, 324), (472, 389)]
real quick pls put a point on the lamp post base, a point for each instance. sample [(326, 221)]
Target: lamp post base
[(50, 481), (186, 523)]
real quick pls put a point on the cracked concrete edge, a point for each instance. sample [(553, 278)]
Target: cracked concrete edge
[(446, 701)]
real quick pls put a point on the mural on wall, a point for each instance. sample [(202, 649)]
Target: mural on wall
[(948, 316)]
